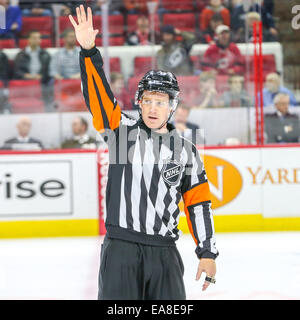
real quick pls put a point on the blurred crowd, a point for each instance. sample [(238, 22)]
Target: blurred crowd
[(222, 24)]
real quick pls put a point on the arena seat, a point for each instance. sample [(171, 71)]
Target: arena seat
[(45, 43), (131, 22), (64, 23), (142, 65), (269, 65), (43, 24), (133, 85), (25, 96), (115, 64), (7, 43), (187, 84), (178, 5), (68, 95), (115, 22), (182, 21), (113, 41)]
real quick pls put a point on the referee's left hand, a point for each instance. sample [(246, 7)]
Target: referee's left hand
[(209, 267)]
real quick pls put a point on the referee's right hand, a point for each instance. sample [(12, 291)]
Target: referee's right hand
[(85, 33)]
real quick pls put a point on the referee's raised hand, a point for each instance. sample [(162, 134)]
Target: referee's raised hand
[(85, 33)]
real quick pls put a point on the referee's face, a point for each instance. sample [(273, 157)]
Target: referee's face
[(155, 109)]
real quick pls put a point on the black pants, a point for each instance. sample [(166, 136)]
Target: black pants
[(133, 271)]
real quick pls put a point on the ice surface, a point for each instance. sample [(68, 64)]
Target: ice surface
[(250, 266)]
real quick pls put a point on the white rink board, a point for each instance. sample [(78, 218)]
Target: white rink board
[(273, 188), (48, 186)]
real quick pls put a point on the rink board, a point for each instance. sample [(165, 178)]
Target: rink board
[(49, 194), (62, 193), (253, 189)]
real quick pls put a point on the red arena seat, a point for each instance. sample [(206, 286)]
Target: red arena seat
[(25, 96), (7, 43), (115, 64), (142, 65), (133, 85), (68, 95), (64, 23), (113, 41), (182, 21), (115, 23), (187, 85), (178, 5), (43, 24)]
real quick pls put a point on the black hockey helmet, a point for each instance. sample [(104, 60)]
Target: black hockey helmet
[(159, 81)]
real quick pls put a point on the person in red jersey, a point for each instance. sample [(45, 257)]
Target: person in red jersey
[(223, 57)]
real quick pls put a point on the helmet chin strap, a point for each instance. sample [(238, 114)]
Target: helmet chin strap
[(170, 115)]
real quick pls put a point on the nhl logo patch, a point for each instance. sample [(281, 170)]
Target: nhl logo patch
[(171, 171)]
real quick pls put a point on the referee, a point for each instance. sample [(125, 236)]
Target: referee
[(150, 169)]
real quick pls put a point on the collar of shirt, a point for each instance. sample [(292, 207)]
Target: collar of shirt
[(29, 50), (71, 51), (82, 139), (23, 139)]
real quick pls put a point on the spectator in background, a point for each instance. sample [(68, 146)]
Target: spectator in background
[(242, 36), (33, 63), (236, 96), (80, 139), (174, 55), (215, 6), (13, 19), (268, 6), (142, 35), (4, 67), (238, 17), (185, 128), (282, 126), (206, 96), (273, 87), (115, 7), (23, 140), (65, 63), (223, 57), (209, 35), (117, 85), (69, 7), (35, 8), (136, 6), (4, 73)]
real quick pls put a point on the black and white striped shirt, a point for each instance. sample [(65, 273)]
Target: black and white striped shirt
[(149, 172)]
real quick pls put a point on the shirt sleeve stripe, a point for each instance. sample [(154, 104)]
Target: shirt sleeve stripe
[(197, 194), (113, 114)]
